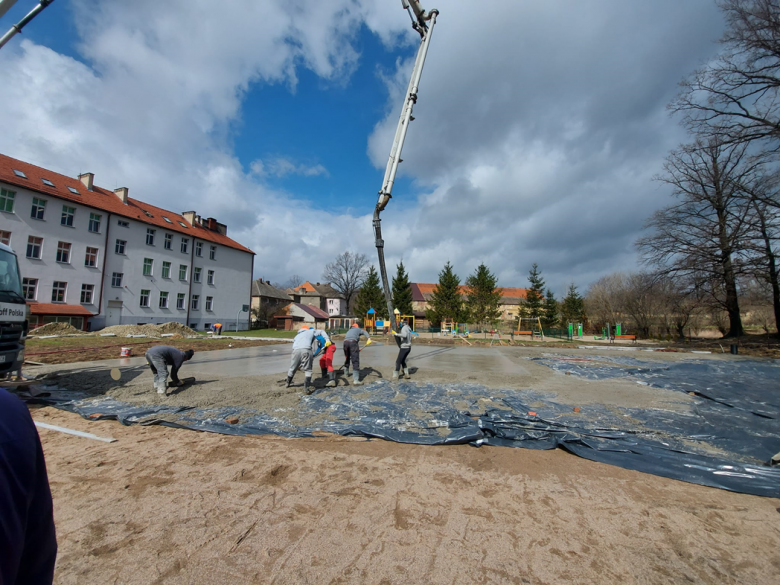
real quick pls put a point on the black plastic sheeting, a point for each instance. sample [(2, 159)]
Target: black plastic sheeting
[(720, 436)]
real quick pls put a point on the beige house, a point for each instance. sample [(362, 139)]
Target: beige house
[(511, 299)]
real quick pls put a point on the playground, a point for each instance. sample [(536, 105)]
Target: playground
[(350, 509)]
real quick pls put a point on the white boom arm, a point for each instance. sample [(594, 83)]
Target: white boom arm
[(423, 22)]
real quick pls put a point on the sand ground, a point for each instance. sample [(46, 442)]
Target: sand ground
[(165, 505)]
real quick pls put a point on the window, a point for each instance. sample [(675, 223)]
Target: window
[(148, 264), (150, 236), (196, 274), (210, 277), (122, 223), (67, 215), (195, 301), (7, 200), (168, 241), (94, 222), (199, 248), (180, 301), (58, 291), (116, 279), (213, 253), (63, 252), (209, 303), (38, 207), (20, 174), (166, 270), (145, 297), (34, 246), (182, 224), (86, 293), (163, 300), (5, 237), (91, 257), (185, 242), (120, 246), (182, 272), (166, 219), (29, 288), (47, 182), (74, 191)]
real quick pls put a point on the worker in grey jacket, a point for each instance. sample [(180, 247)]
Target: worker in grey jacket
[(303, 354), (159, 358), (352, 351), (405, 337)]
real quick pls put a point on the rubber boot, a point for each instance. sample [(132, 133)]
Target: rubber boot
[(332, 380), (346, 370), (289, 382), (324, 372), (395, 374), (161, 389), (308, 388), (406, 372), (356, 379)]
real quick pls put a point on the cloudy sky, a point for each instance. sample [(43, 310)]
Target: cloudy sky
[(539, 125)]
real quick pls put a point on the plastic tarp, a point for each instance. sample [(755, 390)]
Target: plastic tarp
[(723, 439)]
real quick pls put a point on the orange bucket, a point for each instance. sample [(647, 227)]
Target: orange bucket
[(126, 352)]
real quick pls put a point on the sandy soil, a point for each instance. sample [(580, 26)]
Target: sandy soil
[(174, 506)]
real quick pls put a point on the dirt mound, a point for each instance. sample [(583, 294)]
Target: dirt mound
[(149, 330), (56, 329)]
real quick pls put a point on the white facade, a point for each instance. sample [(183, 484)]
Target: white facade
[(336, 306), (61, 259)]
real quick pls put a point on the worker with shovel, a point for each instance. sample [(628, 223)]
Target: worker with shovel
[(303, 354), (352, 352), (405, 346), (159, 358)]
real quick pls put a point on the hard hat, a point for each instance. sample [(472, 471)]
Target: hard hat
[(354, 324), (305, 327)]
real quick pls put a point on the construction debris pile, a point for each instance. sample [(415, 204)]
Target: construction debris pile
[(57, 329), (176, 330)]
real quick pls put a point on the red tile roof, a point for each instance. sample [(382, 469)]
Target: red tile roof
[(315, 312), (422, 289), (105, 200), (59, 309)]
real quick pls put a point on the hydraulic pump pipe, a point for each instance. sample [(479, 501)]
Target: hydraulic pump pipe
[(17, 28), (424, 26)]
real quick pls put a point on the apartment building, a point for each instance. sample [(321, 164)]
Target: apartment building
[(96, 258)]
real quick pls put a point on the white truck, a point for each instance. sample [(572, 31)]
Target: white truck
[(13, 315)]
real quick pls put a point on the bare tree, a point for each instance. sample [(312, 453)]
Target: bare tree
[(705, 232), (737, 95), (767, 227), (347, 273), (293, 281), (604, 300)]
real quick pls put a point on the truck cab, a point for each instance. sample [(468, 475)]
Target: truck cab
[(13, 314)]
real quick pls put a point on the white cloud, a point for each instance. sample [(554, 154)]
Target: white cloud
[(538, 125)]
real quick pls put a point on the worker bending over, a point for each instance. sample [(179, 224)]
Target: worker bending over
[(326, 364), (405, 337), (159, 358), (303, 354), (352, 351)]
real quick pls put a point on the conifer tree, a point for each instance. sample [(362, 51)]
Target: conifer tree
[(484, 298), (534, 298), (572, 307), (371, 296), (550, 311), (402, 291), (446, 302)]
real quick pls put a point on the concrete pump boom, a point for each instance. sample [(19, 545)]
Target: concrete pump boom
[(423, 22), (17, 28)]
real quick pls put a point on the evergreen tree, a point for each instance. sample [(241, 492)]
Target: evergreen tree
[(483, 298), (550, 311), (402, 291), (371, 296), (534, 298), (445, 303), (572, 307)]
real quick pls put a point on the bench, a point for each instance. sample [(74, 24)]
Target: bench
[(631, 337), (524, 332)]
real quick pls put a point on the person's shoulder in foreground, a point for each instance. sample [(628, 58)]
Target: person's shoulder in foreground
[(28, 544)]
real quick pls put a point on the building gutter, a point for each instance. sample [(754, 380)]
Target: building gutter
[(103, 268)]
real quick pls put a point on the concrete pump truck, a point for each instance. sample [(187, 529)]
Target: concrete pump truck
[(423, 22), (13, 315)]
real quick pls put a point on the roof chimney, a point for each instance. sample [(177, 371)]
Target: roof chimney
[(87, 179), (122, 194), (189, 216)]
